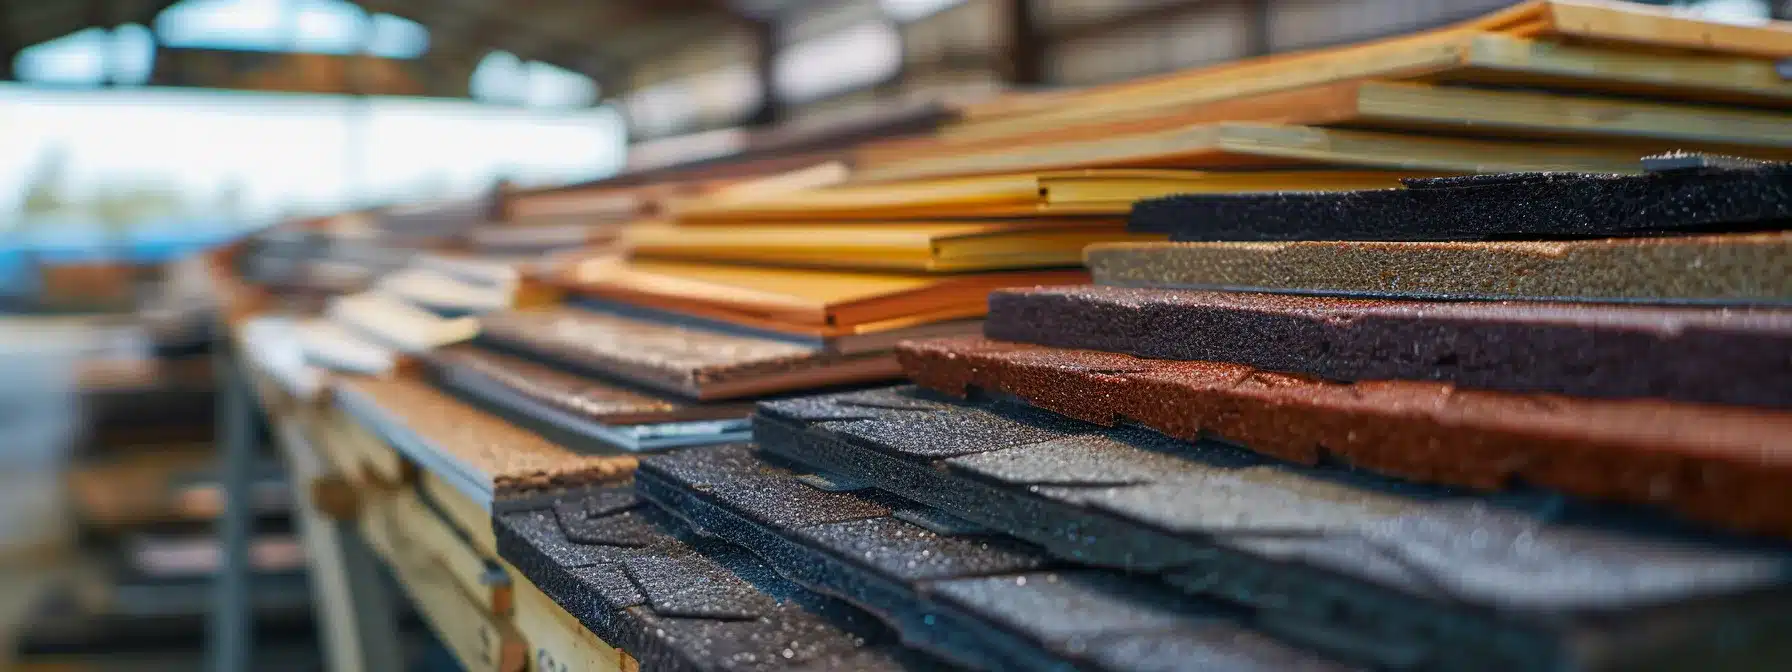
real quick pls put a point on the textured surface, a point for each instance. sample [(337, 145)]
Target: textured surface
[(986, 601), (1725, 465), (677, 359), (580, 396), (1488, 207), (1730, 269), (1718, 355), (1398, 574), (677, 601), (435, 429)]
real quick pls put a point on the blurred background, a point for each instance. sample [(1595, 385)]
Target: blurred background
[(136, 133)]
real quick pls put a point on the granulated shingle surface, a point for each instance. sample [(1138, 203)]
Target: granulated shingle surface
[(679, 601), (477, 447), (1398, 574), (1729, 466), (1488, 207), (1718, 355), (981, 599), (1735, 269), (663, 356)]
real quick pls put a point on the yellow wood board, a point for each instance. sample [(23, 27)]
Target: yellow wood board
[(1624, 24), (1246, 145), (812, 301), (428, 533), (478, 639), (464, 513), (910, 246), (1078, 193), (1631, 23), (1407, 106), (1460, 57)]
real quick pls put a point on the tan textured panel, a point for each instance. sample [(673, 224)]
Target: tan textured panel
[(509, 458), (1737, 268)]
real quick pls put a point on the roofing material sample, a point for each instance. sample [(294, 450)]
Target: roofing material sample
[(1736, 269), (1716, 355), (1729, 466), (695, 363), (932, 247), (480, 454), (330, 345), (1399, 575), (1252, 145), (842, 344), (1527, 46), (675, 600), (1489, 207), (980, 599), (801, 301), (588, 410), (1072, 192), (397, 324), (1402, 106), (444, 292)]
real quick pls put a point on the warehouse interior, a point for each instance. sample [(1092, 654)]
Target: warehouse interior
[(559, 335)]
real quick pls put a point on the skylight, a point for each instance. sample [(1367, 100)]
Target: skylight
[(301, 26)]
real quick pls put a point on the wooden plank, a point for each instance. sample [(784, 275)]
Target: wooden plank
[(1455, 57), (1709, 78), (377, 461), (464, 513), (558, 642), (1633, 24), (481, 641), (1238, 145), (1546, 115), (427, 533), (320, 538), (1399, 106)]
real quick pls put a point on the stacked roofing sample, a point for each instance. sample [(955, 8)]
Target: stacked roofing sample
[(1367, 569), (690, 362), (958, 590), (1161, 471), (1724, 356), (1164, 463), (578, 409), (1545, 85), (677, 600), (1548, 237), (483, 456)]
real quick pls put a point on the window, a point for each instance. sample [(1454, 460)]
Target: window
[(306, 26), (503, 78), (721, 96), (78, 59), (858, 56), (904, 11)]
